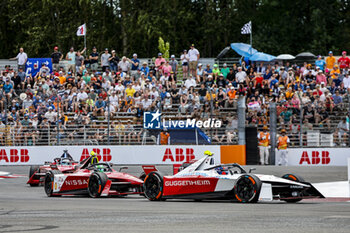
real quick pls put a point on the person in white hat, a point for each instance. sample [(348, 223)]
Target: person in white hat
[(167, 102), (135, 63), (174, 64), (200, 73), (225, 70)]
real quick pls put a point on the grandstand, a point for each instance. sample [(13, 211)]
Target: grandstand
[(76, 124)]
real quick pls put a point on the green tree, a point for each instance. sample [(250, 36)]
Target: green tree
[(164, 47)]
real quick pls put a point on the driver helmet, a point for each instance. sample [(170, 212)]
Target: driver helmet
[(92, 153), (100, 168), (219, 170), (65, 162), (208, 153)]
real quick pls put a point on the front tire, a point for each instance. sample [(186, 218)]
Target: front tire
[(295, 178), (49, 182), (32, 170), (96, 184), (153, 186), (247, 188)]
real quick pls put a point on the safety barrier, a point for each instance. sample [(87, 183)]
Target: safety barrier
[(317, 156), (122, 154)]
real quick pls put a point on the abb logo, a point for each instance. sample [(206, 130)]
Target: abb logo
[(105, 157), (315, 158), (179, 155), (14, 155)]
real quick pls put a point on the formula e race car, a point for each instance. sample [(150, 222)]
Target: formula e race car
[(63, 164), (94, 180), (205, 180)]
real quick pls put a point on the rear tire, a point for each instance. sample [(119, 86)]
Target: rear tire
[(49, 180), (247, 188), (96, 184), (153, 186), (295, 178), (32, 170)]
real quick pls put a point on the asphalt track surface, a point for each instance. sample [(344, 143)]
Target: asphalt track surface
[(26, 209)]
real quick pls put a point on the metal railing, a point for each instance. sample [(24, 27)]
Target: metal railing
[(302, 131)]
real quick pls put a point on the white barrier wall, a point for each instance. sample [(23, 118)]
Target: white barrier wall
[(113, 154), (317, 156)]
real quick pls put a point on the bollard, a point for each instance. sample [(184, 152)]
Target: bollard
[(241, 120), (273, 130)]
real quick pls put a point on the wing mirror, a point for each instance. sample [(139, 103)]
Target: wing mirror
[(111, 164), (252, 169), (120, 169)]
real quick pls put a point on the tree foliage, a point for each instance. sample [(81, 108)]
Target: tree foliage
[(128, 26), (163, 47)]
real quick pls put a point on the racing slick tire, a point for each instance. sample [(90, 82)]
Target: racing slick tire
[(296, 178), (96, 184), (32, 170), (247, 188), (153, 186), (48, 182)]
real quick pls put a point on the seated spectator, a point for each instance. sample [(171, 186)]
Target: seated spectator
[(286, 116), (254, 104), (221, 82), (51, 116), (146, 103), (337, 100), (309, 114), (241, 75), (341, 132), (124, 65), (209, 81), (167, 102), (208, 70), (320, 77), (224, 70), (183, 104), (221, 97), (166, 69), (231, 77), (129, 132), (322, 117), (99, 107), (216, 71), (190, 82), (257, 80)]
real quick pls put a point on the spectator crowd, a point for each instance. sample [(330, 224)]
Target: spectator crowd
[(93, 87)]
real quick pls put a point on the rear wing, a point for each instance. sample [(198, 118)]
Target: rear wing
[(149, 168)]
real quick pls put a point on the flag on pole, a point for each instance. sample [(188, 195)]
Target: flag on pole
[(247, 28), (81, 30)]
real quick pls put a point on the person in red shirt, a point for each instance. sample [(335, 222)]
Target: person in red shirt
[(258, 79), (317, 91), (344, 61)]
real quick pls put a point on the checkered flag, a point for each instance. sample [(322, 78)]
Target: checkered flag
[(247, 28)]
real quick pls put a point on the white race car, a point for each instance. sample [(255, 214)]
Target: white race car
[(205, 180)]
